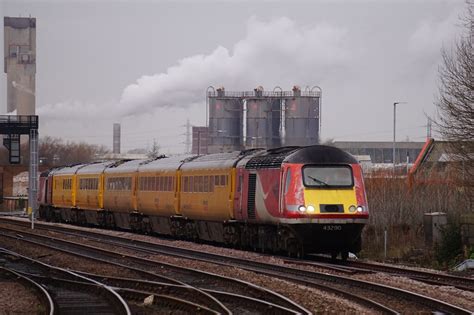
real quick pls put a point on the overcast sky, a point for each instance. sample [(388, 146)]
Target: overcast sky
[(147, 64)]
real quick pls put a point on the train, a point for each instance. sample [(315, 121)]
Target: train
[(290, 200)]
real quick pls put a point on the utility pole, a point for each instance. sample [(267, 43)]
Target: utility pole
[(188, 137), (394, 130)]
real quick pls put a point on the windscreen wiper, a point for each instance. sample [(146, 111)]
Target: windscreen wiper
[(318, 181)]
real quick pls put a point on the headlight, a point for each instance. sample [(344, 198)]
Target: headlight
[(360, 209), (301, 208), (310, 208), (352, 209)]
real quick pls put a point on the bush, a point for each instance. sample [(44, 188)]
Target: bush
[(449, 251), (399, 208)]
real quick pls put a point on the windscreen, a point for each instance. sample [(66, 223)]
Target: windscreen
[(327, 176)]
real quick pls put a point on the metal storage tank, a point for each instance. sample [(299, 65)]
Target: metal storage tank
[(263, 122), (302, 119), (225, 122)]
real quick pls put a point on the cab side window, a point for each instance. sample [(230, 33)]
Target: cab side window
[(288, 180)]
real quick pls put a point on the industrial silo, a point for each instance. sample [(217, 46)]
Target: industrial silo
[(225, 121), (262, 121), (301, 122)]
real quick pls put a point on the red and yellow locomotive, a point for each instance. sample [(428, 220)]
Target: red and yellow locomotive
[(291, 199)]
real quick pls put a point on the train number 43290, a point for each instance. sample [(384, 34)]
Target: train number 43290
[(332, 228)]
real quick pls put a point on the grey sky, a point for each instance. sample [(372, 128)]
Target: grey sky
[(364, 54)]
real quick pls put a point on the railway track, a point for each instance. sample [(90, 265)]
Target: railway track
[(353, 267), (233, 292), (66, 291), (46, 301), (462, 283), (368, 293), (181, 290)]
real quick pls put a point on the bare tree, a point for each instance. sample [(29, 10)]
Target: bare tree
[(456, 101), (53, 152), (154, 151)]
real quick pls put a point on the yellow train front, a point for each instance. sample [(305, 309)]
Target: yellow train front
[(324, 200)]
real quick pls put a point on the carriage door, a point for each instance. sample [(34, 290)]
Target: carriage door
[(251, 196)]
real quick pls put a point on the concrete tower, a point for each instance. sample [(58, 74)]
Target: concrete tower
[(20, 64), (116, 139)]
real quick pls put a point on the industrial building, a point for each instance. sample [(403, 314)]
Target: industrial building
[(262, 119), (20, 69), (20, 64), (382, 151), (116, 139)]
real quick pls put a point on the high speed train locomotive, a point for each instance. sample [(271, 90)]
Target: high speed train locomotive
[(292, 199)]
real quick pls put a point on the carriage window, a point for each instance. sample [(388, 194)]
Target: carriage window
[(121, 183), (185, 184), (223, 180), (153, 183), (200, 188), (160, 183), (67, 184), (206, 184), (216, 180), (327, 176)]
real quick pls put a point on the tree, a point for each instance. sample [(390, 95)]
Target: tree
[(154, 151), (455, 105), (54, 152)]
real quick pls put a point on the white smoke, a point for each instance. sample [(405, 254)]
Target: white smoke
[(278, 52), (360, 71)]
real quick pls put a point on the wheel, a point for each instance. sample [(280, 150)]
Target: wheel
[(344, 255)]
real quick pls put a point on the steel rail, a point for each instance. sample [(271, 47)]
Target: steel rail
[(165, 303), (349, 267), (191, 254), (246, 287), (210, 299), (45, 298), (181, 291), (85, 290), (218, 259), (462, 283)]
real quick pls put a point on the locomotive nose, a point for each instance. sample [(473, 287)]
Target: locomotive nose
[(330, 200)]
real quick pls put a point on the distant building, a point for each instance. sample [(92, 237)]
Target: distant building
[(200, 140), (438, 164), (437, 159), (263, 119), (382, 151)]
